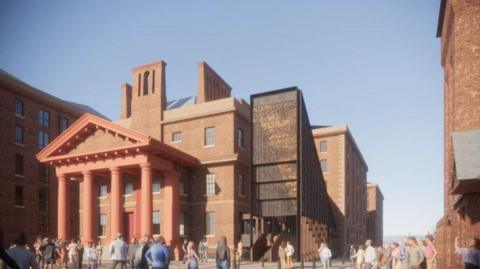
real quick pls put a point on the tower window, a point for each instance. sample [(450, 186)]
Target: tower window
[(146, 82), (323, 146)]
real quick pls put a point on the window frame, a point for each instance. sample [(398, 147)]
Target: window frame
[(325, 144), (241, 138), (209, 139), (174, 140), (241, 185), (101, 188), (19, 201), (102, 224), (19, 165), (63, 123), (19, 134), (43, 139), (128, 189), (322, 166), (44, 118), (43, 207), (156, 222), (22, 107), (209, 226), (210, 184)]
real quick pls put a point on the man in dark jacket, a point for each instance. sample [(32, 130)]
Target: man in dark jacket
[(139, 260), (4, 256)]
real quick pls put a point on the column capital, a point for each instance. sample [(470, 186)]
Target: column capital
[(61, 177), (145, 165), (87, 173), (115, 169)]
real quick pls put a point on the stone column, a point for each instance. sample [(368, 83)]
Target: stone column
[(115, 202), (63, 207), (146, 200), (171, 201), (88, 219)]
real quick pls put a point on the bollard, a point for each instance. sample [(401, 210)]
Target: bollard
[(302, 263)]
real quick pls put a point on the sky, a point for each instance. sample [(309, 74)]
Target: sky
[(372, 65)]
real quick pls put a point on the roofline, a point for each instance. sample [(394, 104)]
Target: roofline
[(441, 16), (288, 89)]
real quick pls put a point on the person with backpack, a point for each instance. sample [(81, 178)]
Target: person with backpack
[(158, 255), (222, 254)]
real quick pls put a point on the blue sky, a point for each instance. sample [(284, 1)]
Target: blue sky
[(373, 65)]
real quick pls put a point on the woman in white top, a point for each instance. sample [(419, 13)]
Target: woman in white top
[(325, 254)]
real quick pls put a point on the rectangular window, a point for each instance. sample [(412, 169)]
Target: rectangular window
[(43, 173), (18, 164), (19, 111), (43, 199), (241, 142), (43, 139), (102, 225), (128, 189), (210, 180), (156, 186), (241, 185), (183, 188), (44, 118), (18, 195), (43, 226), (324, 165), (176, 137), (156, 222), (209, 136), (103, 190), (210, 223), (19, 134), (323, 146), (182, 224), (62, 123)]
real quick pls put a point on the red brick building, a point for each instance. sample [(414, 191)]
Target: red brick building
[(29, 120), (459, 28), (374, 214)]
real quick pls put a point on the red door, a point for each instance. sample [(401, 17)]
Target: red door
[(128, 225)]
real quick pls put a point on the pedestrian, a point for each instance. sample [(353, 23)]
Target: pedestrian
[(80, 254), (99, 251), (360, 257), (50, 253), (192, 257), (385, 261), (205, 249), (132, 248), (158, 255), (4, 257), (239, 251), (290, 252), (429, 251), (92, 257), (22, 257), (370, 255), (470, 254), (118, 252), (184, 250), (352, 253), (414, 254), (140, 262), (37, 246), (62, 249), (325, 255), (222, 254), (73, 254), (200, 250), (396, 256), (282, 254)]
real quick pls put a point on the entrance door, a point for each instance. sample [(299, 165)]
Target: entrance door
[(128, 225)]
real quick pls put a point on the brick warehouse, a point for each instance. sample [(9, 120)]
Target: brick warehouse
[(458, 29), (29, 119)]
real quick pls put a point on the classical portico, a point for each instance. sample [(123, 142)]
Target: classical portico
[(94, 149)]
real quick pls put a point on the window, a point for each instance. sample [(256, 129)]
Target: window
[(128, 189), (241, 142), (43, 139), (183, 188), (210, 179), (43, 199), (18, 134), (323, 164), (210, 223), (62, 123), (323, 146), (18, 164), (182, 224), (43, 226), (156, 222), (241, 185), (19, 111), (176, 137), (210, 136), (44, 118), (146, 82), (18, 195), (103, 190), (43, 173), (102, 225), (156, 185)]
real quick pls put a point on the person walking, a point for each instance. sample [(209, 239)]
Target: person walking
[(132, 248), (139, 260), (429, 251), (23, 258), (205, 249), (200, 250), (352, 251), (118, 252), (385, 261), (62, 250), (239, 252), (414, 254), (396, 256), (470, 254), (99, 251), (92, 258), (158, 255), (370, 255), (73, 254), (192, 257), (360, 257), (282, 254), (80, 254), (184, 250), (290, 252), (325, 255), (37, 246), (50, 253), (222, 254)]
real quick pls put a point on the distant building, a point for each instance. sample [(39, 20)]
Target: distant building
[(458, 28), (375, 214), (345, 173), (29, 120)]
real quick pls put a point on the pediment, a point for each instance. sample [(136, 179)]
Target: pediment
[(99, 140)]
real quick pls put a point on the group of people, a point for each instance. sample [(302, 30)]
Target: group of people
[(285, 254)]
